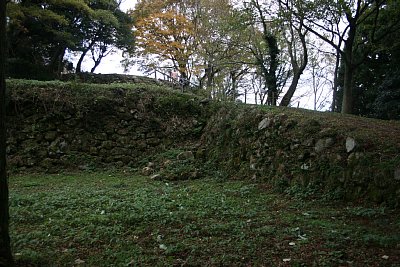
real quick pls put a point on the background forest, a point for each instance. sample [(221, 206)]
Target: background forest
[(342, 55)]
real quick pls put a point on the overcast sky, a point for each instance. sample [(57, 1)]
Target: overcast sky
[(128, 4)]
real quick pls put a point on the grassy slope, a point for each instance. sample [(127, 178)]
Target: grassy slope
[(107, 219), (385, 132)]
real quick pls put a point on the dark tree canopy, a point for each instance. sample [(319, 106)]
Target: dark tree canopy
[(377, 80), (42, 32), (105, 28)]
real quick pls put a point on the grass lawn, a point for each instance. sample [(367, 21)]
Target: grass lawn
[(117, 219)]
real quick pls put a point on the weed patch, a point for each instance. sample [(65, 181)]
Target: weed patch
[(120, 219)]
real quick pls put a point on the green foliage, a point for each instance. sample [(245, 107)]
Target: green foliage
[(181, 103), (302, 192), (387, 103), (377, 80), (367, 212), (118, 218), (19, 85), (170, 168), (383, 241), (105, 28), (58, 96), (40, 34), (181, 170)]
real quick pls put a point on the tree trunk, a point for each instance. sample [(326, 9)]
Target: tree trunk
[(184, 78), (297, 70), (210, 79), (102, 54), (271, 45), (234, 86), (334, 107), (5, 248), (271, 97), (79, 64), (56, 64), (271, 78), (290, 92), (347, 102), (96, 64), (61, 63)]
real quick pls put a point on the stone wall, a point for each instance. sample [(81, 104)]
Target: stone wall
[(339, 156), (52, 126)]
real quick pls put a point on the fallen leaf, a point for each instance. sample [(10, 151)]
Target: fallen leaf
[(302, 237), (130, 263), (79, 261)]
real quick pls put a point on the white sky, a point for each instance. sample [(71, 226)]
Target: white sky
[(128, 4)]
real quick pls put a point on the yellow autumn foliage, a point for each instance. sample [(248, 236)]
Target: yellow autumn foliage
[(161, 30)]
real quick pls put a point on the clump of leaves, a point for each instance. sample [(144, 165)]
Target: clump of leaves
[(169, 166), (181, 170), (367, 212)]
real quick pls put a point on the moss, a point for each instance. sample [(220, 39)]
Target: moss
[(174, 102)]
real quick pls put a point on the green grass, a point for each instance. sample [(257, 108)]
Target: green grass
[(119, 219)]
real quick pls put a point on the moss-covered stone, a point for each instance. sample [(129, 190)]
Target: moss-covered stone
[(298, 151), (99, 124)]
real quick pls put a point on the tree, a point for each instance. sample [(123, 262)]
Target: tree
[(265, 45), (377, 82), (42, 32), (219, 53), (296, 45), (320, 65), (165, 31), (5, 248), (102, 30), (324, 18), (266, 53)]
